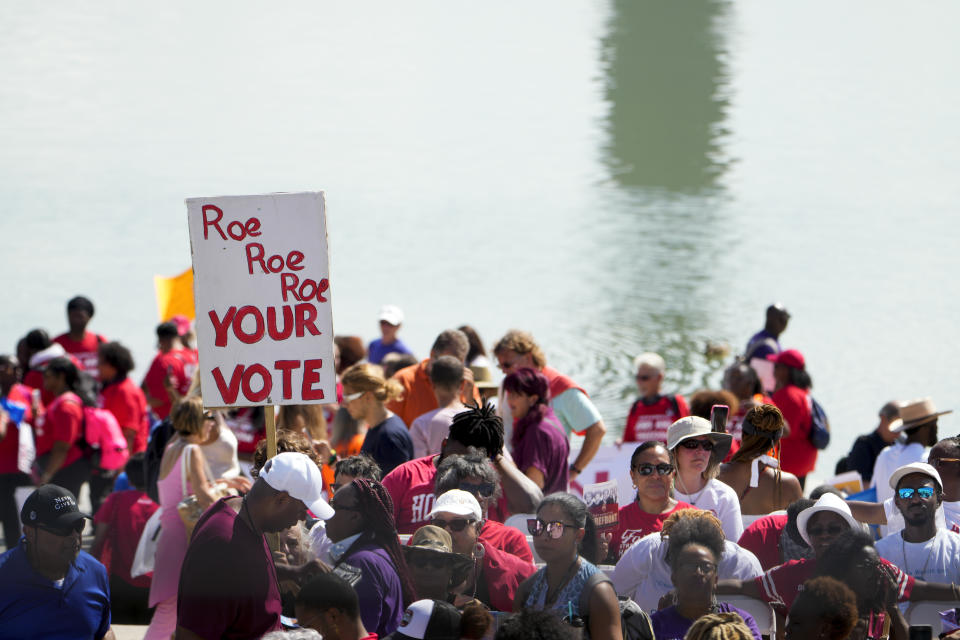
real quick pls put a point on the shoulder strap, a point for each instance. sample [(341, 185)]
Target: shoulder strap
[(183, 469), (674, 404), (588, 587)]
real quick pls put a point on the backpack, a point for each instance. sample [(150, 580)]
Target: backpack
[(819, 425), (105, 438), (157, 444), (634, 622)]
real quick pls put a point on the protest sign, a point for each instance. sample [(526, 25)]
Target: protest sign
[(609, 463), (603, 502), (262, 294)]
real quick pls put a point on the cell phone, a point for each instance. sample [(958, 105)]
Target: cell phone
[(921, 632), (718, 418)]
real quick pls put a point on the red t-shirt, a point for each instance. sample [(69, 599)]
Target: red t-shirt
[(84, 351), (762, 538), (10, 445), (191, 359), (505, 538), (126, 513), (797, 455), (782, 583), (153, 381), (34, 379), (228, 583), (63, 422), (652, 422), (633, 523), (410, 486), (126, 402)]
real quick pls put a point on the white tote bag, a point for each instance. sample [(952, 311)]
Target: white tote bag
[(147, 546)]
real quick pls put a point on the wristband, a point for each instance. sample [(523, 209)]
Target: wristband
[(573, 468)]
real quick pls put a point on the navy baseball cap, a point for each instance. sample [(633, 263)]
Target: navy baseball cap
[(51, 506)]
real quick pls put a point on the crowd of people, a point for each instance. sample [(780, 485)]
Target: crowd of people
[(431, 502)]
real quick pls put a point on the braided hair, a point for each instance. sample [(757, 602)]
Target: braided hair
[(719, 626), (479, 427), (380, 528), (762, 429)]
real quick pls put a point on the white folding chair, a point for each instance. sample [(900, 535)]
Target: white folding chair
[(760, 610)]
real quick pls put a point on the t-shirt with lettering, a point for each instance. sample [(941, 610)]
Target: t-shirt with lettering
[(126, 513), (651, 421), (85, 351), (126, 402), (410, 486), (219, 596), (633, 523), (63, 422), (389, 444)]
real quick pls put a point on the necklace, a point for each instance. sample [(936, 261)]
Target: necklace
[(693, 498), (903, 548), (553, 593)]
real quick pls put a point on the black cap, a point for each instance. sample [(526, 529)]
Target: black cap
[(51, 506)]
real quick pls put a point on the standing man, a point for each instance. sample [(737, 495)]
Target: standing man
[(567, 399), (79, 342), (921, 549), (652, 414), (863, 454), (920, 427), (767, 341), (391, 317), (49, 588), (430, 430), (418, 397), (228, 582), (945, 458)]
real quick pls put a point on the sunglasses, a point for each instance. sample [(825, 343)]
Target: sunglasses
[(427, 560), (833, 530), (906, 493), (484, 489), (455, 525), (63, 532), (644, 377), (353, 396), (554, 530), (706, 445), (647, 469)]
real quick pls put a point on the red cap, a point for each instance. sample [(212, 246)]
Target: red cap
[(790, 358)]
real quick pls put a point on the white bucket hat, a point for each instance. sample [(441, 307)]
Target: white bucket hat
[(695, 427), (300, 477), (827, 502)]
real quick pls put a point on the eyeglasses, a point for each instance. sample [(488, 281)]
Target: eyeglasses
[(644, 377), (690, 443), (63, 532), (353, 396), (427, 560), (907, 492), (833, 530), (485, 489), (703, 566), (554, 530), (647, 469), (455, 525)]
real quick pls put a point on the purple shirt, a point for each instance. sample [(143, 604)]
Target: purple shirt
[(668, 624), (544, 446), (760, 345), (377, 350), (370, 571)]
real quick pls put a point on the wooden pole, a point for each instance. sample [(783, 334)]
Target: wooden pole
[(270, 422)]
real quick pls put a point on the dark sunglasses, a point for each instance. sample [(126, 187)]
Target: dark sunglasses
[(706, 445), (427, 560), (63, 532), (645, 377), (554, 530), (906, 493), (833, 530), (457, 524), (647, 469), (484, 489)]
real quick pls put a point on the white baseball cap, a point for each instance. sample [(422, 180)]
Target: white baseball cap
[(300, 477), (915, 467), (827, 502), (392, 314), (459, 502)]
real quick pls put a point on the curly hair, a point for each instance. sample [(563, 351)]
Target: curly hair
[(286, 441), (117, 356), (694, 529), (685, 514), (479, 427), (369, 377), (521, 342), (832, 602), (453, 469), (359, 466), (719, 626)]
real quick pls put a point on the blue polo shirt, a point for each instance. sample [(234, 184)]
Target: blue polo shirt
[(31, 606)]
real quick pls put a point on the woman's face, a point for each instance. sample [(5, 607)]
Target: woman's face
[(653, 485), (520, 404), (346, 519), (430, 572), (693, 460), (464, 540), (562, 548), (695, 573), (823, 528), (357, 406)]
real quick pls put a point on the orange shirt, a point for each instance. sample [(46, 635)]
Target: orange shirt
[(418, 395)]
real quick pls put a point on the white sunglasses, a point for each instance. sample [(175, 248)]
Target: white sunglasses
[(353, 396)]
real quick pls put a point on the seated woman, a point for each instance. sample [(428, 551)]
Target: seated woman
[(696, 452), (539, 443), (565, 536), (434, 567), (753, 473), (652, 474), (693, 552), (826, 608), (366, 553), (496, 574)]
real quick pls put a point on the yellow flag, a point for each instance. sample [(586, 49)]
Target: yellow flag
[(175, 295)]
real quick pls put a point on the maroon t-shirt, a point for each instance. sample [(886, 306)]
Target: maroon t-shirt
[(228, 584)]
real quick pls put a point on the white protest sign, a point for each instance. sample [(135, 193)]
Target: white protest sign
[(262, 294), (610, 463)]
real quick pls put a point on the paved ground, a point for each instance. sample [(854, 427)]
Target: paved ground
[(129, 631)]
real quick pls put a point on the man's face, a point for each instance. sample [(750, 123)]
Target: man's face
[(320, 621), (648, 380), (945, 458), (509, 361), (287, 511), (78, 319), (917, 510), (54, 549), (388, 331)]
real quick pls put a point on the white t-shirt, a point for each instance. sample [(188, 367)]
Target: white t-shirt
[(221, 455), (430, 430), (720, 499), (951, 515), (935, 560), (644, 575), (891, 459)]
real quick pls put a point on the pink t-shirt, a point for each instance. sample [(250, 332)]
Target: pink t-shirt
[(633, 523)]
